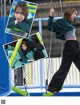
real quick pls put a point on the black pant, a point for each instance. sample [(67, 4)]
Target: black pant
[(71, 53)]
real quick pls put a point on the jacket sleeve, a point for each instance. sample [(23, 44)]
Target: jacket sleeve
[(24, 59), (25, 26), (11, 23), (51, 25)]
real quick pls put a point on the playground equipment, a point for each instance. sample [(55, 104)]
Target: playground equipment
[(18, 90), (11, 60), (36, 72), (4, 67), (38, 67)]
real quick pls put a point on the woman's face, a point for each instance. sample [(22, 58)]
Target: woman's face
[(73, 16), (24, 47), (19, 15)]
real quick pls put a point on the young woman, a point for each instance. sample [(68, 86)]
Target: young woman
[(64, 30), (19, 20), (26, 51), (30, 51)]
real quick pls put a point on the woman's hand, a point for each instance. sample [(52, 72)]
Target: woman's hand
[(16, 22), (52, 11)]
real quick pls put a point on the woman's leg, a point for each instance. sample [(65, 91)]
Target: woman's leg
[(77, 60), (59, 77)]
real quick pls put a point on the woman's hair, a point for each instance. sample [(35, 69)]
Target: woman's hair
[(25, 41), (24, 8), (68, 12), (28, 43)]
